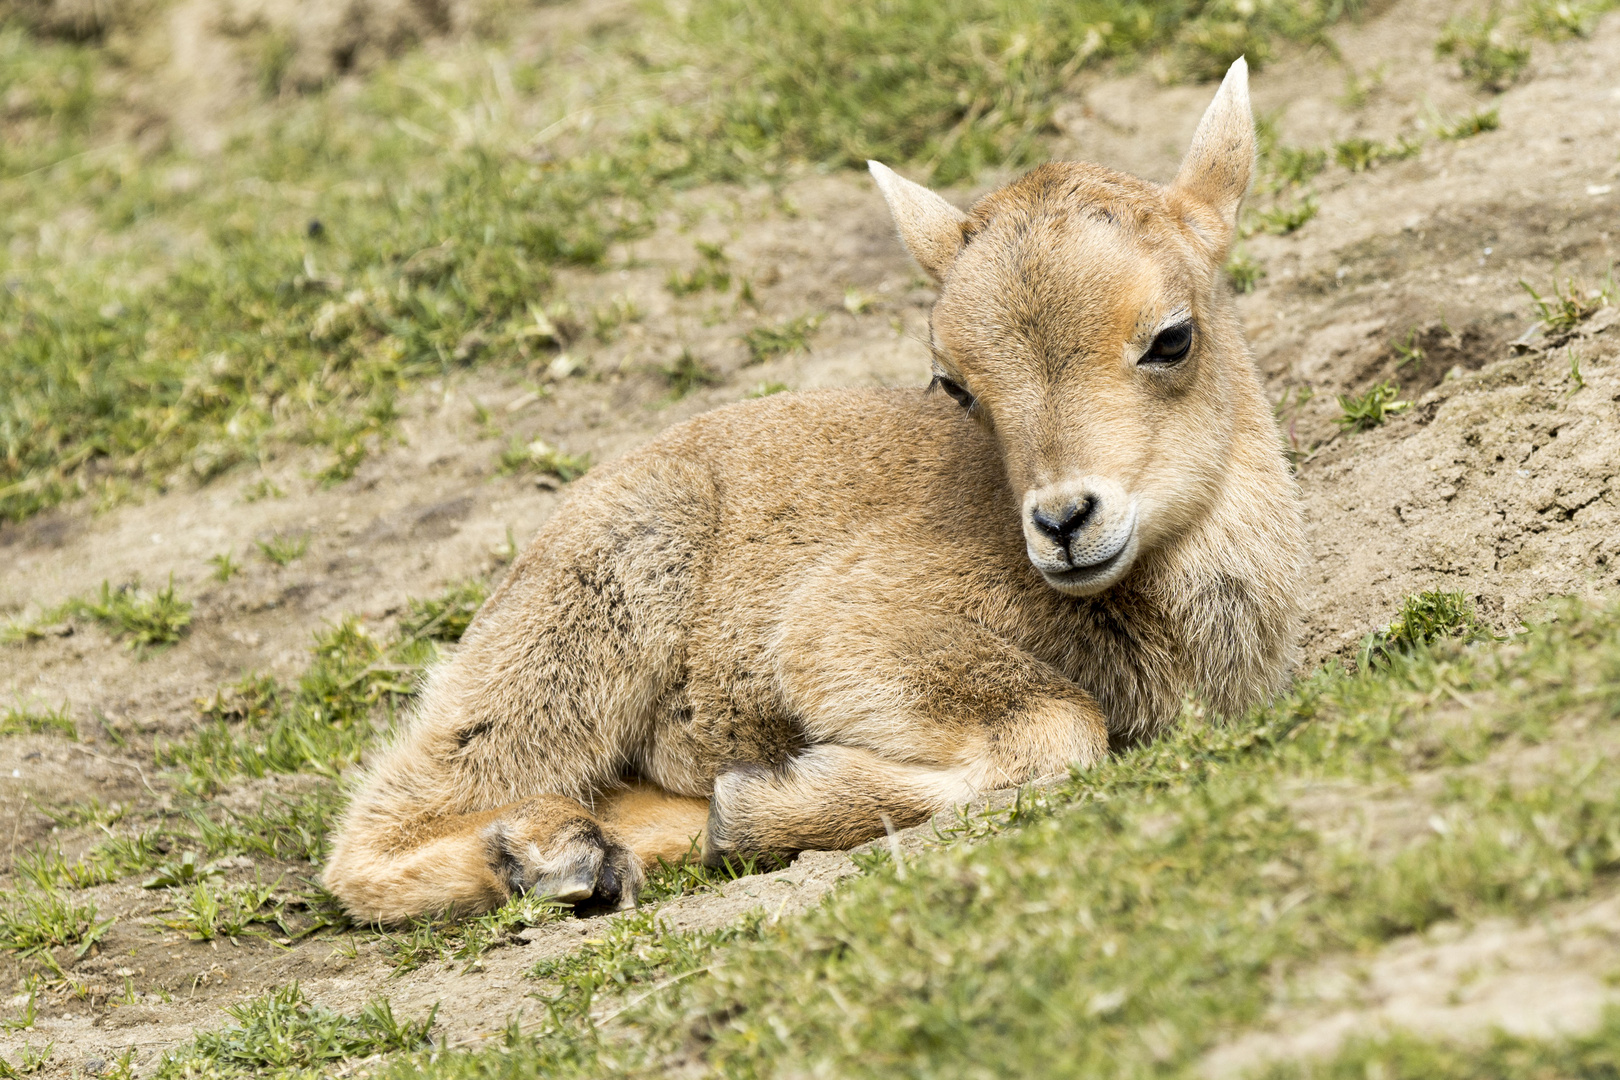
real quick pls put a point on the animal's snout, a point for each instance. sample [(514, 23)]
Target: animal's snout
[(1069, 519), (1080, 534)]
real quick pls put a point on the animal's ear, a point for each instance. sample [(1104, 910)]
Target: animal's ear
[(1217, 168), (933, 229)]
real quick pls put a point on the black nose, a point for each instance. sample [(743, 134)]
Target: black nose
[(1069, 521)]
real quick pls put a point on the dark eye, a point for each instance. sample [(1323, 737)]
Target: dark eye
[(957, 391), (1170, 346)]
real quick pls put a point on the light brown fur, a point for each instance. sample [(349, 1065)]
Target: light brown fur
[(785, 622)]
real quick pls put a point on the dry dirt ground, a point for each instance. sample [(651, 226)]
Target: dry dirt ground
[(1498, 481)]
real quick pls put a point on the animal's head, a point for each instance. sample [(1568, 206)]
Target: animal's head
[(1082, 318)]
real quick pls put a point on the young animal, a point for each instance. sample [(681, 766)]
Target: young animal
[(784, 623)]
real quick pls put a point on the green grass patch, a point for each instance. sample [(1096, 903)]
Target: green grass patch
[(113, 858), (1243, 272), (283, 550), (1359, 155), (444, 617), (1285, 217), (431, 940), (30, 1060), (283, 829), (143, 618), (1363, 412), (354, 680), (1488, 50), (33, 923), (769, 342), (1569, 302), (1466, 127), (687, 373), (320, 725), (282, 1034), (541, 457), (206, 910), (1559, 20), (20, 721), (712, 273)]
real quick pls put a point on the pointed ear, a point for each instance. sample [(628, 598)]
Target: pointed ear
[(933, 229), (1218, 166)]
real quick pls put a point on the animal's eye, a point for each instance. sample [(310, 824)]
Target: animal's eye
[(957, 391), (1170, 346)]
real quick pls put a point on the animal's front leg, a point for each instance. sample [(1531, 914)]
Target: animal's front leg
[(830, 796), (908, 711)]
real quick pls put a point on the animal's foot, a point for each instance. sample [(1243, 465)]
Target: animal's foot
[(551, 846)]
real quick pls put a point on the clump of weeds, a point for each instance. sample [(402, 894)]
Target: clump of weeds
[(1363, 412), (1466, 127), (20, 721), (282, 549), (283, 1033), (1487, 51), (1569, 302), (537, 455), (768, 342), (687, 373), (713, 272), (145, 619), (1359, 155)]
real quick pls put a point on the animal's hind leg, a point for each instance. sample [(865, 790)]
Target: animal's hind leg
[(554, 688), (466, 863)]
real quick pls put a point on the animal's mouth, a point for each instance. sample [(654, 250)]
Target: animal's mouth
[(1085, 575), (1093, 577)]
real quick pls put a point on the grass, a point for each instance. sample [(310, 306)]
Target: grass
[(284, 829), (282, 1034), (1466, 127), (541, 457), (1363, 412), (225, 567), (1488, 51), (144, 619), (113, 858), (320, 725), (20, 721), (769, 342), (1559, 20), (206, 910), (436, 940), (687, 373), (444, 617), (1242, 271), (1128, 921), (31, 1059), (1286, 217), (257, 726), (283, 550), (1424, 618), (712, 273), (33, 923), (1359, 155), (1569, 303), (174, 317)]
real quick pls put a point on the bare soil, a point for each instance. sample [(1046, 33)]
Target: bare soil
[(1498, 481)]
